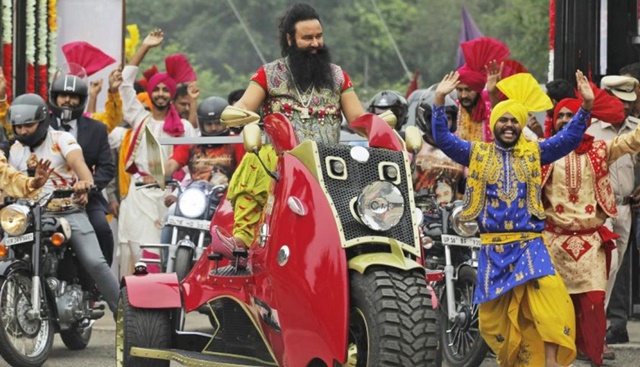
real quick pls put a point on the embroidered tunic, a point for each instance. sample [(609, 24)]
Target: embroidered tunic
[(580, 197), (316, 113), (506, 202)]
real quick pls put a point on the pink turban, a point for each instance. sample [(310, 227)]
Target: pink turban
[(172, 123)]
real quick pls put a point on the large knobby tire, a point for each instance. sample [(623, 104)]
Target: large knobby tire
[(392, 322), (462, 344), (145, 328), (182, 264), (23, 342), (76, 339)]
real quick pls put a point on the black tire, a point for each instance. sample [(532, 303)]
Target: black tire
[(182, 263), (15, 299), (76, 339), (462, 344), (145, 328), (391, 310)]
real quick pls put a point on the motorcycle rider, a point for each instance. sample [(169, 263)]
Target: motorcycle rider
[(35, 141), (214, 163), (68, 97), (435, 172), (390, 100)]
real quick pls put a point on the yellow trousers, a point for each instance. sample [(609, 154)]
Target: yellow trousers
[(517, 324)]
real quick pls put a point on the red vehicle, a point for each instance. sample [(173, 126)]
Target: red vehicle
[(334, 277)]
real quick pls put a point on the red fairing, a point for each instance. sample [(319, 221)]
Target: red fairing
[(280, 130), (380, 134), (161, 290), (309, 292)]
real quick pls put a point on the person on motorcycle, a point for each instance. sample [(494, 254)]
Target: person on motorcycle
[(390, 100), (309, 90), (436, 173), (526, 315), (68, 95), (214, 163), (36, 141)]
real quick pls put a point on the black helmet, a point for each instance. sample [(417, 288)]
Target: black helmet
[(388, 99), (26, 109), (210, 109), (423, 110), (68, 84)]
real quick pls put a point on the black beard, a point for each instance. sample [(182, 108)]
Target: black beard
[(159, 108), (309, 69)]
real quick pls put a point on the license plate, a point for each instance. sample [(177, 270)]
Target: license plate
[(9, 241), (188, 223), (472, 242)]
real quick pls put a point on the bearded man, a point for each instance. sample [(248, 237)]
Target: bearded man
[(309, 90), (141, 211)]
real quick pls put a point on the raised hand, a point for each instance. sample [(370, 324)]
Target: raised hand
[(153, 39), (193, 91), (95, 86), (446, 86), (494, 74), (3, 85), (115, 80), (43, 170), (585, 91)]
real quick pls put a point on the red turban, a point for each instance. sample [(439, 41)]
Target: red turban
[(573, 104), (172, 123), (474, 79)]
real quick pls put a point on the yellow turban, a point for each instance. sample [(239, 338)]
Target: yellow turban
[(524, 95)]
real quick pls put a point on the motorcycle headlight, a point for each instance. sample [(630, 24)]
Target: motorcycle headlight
[(14, 219), (380, 205), (462, 228), (192, 203)]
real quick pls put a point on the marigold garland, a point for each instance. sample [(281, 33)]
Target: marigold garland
[(53, 36)]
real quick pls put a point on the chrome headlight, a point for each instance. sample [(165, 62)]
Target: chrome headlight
[(380, 206), (14, 219), (192, 203), (462, 228)]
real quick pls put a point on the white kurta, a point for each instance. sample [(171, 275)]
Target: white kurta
[(142, 210)]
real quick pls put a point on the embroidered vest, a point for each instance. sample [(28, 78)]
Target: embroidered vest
[(316, 114), (484, 162), (597, 158)]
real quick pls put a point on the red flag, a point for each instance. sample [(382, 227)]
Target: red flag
[(413, 85)]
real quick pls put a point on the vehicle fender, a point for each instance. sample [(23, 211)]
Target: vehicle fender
[(159, 290), (462, 265), (186, 243), (395, 259), (9, 267)]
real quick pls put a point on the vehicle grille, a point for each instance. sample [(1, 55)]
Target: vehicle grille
[(360, 175)]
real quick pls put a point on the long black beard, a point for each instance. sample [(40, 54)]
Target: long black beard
[(310, 69)]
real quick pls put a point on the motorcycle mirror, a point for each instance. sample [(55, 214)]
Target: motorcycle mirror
[(413, 139), (389, 118), (252, 138)]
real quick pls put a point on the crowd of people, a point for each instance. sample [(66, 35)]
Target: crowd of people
[(553, 200)]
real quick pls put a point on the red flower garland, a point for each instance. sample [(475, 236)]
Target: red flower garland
[(8, 67)]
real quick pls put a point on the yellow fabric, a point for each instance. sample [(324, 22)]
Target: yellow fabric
[(468, 129), (124, 178), (502, 238), (112, 115), (248, 192), (131, 43), (485, 167), (15, 183), (538, 311), (524, 95), (6, 125)]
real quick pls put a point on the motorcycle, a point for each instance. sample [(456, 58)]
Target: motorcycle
[(334, 276), (40, 288), (451, 246), (195, 206)]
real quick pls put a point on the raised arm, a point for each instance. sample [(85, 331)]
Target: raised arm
[(455, 148)]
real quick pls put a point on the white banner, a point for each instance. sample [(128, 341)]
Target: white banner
[(98, 22)]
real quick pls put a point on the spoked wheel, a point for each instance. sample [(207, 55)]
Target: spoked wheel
[(76, 339), (24, 341), (462, 344), (182, 264), (391, 322), (145, 328)]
